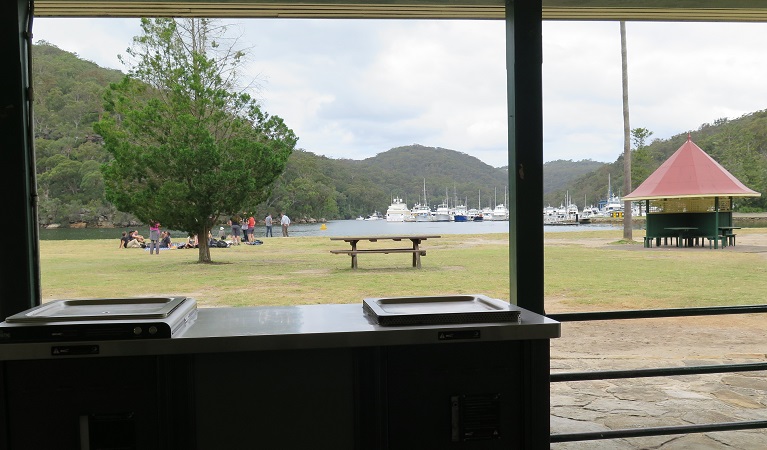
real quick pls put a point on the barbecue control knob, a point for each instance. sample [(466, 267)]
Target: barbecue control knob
[(153, 330), (137, 331)]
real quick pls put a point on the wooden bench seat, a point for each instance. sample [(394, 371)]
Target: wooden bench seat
[(379, 250), (417, 253)]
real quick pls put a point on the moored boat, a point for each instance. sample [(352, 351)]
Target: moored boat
[(460, 214), (442, 213), (422, 213), (375, 216), (474, 215), (397, 211), (500, 212)]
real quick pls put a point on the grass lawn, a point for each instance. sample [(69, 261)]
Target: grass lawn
[(583, 271)]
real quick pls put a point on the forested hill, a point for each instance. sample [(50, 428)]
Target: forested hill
[(69, 99), (559, 174), (739, 145)]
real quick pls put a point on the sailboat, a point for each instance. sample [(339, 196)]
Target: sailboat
[(442, 212), (500, 212), (475, 215), (422, 212)]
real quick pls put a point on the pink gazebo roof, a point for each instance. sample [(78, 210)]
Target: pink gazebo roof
[(690, 172)]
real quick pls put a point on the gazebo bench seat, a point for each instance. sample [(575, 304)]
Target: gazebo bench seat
[(722, 239)]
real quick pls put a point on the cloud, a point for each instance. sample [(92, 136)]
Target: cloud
[(355, 88)]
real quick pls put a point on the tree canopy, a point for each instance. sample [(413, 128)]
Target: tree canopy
[(188, 147)]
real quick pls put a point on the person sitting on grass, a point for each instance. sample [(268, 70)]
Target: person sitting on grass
[(165, 240), (134, 235), (191, 242), (124, 240)]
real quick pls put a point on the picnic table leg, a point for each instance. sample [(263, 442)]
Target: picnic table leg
[(354, 255), (416, 255)]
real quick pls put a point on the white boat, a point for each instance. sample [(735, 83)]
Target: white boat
[(360, 218), (500, 212), (422, 213), (375, 216), (474, 215), (397, 211), (588, 213), (487, 213), (612, 206), (442, 213), (549, 214)]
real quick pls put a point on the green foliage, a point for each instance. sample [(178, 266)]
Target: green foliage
[(187, 147), (68, 99), (557, 176)]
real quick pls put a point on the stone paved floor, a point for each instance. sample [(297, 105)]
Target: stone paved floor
[(588, 406)]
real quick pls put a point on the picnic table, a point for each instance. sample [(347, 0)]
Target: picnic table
[(415, 249), (683, 235), (727, 235)]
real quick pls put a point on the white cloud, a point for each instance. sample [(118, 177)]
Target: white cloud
[(352, 88)]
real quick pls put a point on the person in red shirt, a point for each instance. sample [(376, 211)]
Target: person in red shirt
[(251, 228)]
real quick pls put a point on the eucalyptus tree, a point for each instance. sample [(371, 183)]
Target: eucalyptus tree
[(189, 145), (627, 225)]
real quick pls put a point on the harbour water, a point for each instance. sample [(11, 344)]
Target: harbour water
[(335, 228)]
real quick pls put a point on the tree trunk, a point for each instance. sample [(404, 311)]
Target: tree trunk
[(627, 230), (203, 254)]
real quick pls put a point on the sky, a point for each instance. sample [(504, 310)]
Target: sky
[(356, 88)]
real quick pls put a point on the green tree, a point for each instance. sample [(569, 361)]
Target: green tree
[(188, 147), (642, 156), (639, 137)]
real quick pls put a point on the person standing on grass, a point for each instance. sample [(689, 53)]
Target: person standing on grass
[(285, 222), (268, 222), (235, 223), (251, 227), (154, 237)]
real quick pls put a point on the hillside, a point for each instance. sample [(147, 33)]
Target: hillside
[(739, 145), (559, 174)]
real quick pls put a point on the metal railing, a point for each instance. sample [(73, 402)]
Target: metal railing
[(656, 372)]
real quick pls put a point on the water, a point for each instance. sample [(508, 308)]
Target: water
[(336, 228)]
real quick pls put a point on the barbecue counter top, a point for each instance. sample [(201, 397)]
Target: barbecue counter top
[(263, 328)]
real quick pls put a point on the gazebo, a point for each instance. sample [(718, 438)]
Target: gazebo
[(689, 197)]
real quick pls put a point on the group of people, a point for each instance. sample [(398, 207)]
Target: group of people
[(241, 228), (131, 239), (284, 223), (157, 239), (246, 227)]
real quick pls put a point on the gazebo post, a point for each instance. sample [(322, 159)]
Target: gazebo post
[(716, 222)]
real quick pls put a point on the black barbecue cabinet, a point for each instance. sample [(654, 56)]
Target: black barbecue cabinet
[(445, 372)]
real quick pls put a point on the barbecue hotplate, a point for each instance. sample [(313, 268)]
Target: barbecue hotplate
[(97, 319), (440, 309)]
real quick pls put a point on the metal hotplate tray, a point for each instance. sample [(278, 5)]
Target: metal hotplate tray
[(99, 309), (436, 310), (100, 319)]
